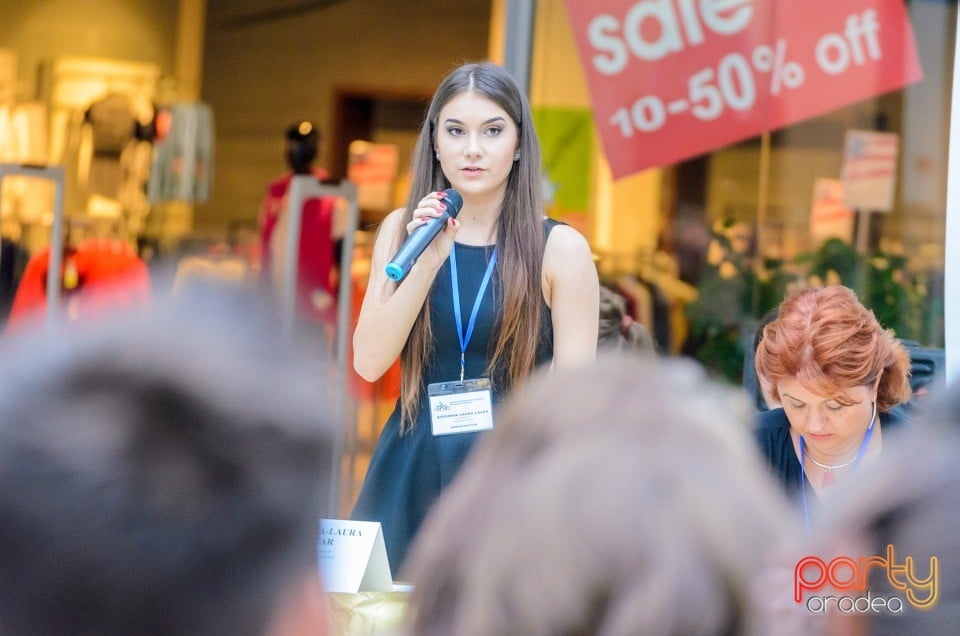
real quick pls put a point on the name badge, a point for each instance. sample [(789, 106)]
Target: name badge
[(460, 407)]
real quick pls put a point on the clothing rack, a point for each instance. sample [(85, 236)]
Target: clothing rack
[(55, 174), (637, 275), (302, 188), (650, 265)]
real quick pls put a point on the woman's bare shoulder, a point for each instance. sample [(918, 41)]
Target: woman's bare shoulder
[(564, 241)]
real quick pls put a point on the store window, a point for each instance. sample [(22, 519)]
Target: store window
[(705, 229)]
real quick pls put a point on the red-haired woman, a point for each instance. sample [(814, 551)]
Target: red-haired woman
[(838, 374)]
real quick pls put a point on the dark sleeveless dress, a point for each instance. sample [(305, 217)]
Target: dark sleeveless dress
[(407, 472)]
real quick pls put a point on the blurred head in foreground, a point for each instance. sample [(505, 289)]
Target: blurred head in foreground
[(904, 510), (622, 498), (161, 476), (617, 331)]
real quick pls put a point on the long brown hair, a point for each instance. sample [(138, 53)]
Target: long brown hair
[(519, 235)]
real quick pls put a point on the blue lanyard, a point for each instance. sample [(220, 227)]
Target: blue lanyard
[(856, 463), (465, 337)]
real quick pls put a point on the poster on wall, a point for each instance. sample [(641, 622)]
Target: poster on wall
[(869, 169), (373, 168), (830, 217), (567, 143), (672, 79)]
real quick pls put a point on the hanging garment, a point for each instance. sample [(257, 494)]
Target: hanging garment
[(100, 279), (316, 287), (183, 157), (13, 261)]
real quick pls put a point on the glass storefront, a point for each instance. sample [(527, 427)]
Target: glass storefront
[(705, 246)]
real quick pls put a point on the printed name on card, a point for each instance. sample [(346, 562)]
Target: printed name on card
[(353, 557)]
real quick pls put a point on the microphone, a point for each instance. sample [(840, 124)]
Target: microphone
[(413, 247)]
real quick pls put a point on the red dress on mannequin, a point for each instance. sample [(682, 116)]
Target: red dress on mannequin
[(316, 287)]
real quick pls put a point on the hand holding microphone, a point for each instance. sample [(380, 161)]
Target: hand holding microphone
[(422, 236)]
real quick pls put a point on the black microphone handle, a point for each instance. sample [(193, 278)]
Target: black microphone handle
[(413, 247)]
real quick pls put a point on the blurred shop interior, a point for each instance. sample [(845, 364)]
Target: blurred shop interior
[(166, 121)]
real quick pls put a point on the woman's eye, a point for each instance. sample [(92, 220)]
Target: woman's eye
[(453, 130), (493, 132), (834, 407), (796, 406)]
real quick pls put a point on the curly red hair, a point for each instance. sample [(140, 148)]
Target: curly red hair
[(828, 341)]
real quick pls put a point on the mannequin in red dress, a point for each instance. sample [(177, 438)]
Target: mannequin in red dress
[(321, 230)]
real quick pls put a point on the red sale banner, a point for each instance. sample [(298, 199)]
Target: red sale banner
[(672, 79)]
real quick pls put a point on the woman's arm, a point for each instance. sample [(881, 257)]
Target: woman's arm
[(389, 310), (573, 292)]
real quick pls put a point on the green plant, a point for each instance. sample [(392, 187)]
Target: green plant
[(736, 289), (881, 280)]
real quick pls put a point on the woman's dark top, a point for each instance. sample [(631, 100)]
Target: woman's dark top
[(407, 472), (773, 437)]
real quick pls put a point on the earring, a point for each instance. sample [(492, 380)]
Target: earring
[(437, 155), (516, 157)]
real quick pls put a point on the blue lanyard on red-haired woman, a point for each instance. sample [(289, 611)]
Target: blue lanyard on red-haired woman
[(856, 462)]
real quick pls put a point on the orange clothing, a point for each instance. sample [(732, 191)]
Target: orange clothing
[(99, 279)]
